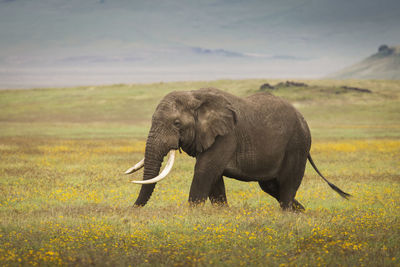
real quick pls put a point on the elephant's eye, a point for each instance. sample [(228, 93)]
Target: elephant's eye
[(177, 123)]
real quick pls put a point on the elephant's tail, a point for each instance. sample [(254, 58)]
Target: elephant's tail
[(334, 187)]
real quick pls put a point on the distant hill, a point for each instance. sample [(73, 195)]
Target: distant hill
[(52, 43), (385, 64)]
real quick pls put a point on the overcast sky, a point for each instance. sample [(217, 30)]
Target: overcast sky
[(173, 40)]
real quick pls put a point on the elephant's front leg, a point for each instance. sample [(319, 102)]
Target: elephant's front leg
[(207, 180), (217, 194)]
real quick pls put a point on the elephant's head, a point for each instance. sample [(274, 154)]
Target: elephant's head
[(190, 120)]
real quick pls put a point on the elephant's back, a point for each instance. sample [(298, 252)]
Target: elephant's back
[(266, 103), (263, 98), (274, 119), (280, 118)]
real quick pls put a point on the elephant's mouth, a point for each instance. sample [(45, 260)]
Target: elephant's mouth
[(162, 175), (190, 149)]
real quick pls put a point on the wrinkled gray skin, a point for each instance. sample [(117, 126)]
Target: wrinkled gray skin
[(259, 138)]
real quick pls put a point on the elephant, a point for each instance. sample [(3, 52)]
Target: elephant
[(261, 138)]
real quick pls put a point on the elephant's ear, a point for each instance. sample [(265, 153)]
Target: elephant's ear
[(214, 116)]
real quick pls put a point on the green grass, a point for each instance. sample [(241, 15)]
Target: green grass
[(65, 201)]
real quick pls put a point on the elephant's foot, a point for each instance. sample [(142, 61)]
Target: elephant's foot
[(219, 202), (196, 202), (297, 207), (293, 206)]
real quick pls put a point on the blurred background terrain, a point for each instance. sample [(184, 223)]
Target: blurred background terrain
[(66, 43)]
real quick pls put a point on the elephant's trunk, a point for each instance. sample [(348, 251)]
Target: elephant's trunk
[(163, 174), (154, 154)]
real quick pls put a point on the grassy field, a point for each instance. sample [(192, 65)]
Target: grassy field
[(64, 199)]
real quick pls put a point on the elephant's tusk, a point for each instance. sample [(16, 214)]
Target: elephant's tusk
[(164, 173), (137, 167)]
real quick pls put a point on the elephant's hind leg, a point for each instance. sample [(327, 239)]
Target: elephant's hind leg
[(289, 180), (217, 194), (296, 206), (272, 188)]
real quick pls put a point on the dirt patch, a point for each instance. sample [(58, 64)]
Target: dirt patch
[(291, 84), (267, 86), (356, 89)]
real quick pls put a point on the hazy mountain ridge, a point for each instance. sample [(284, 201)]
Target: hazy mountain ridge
[(116, 28), (385, 64), (206, 39)]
